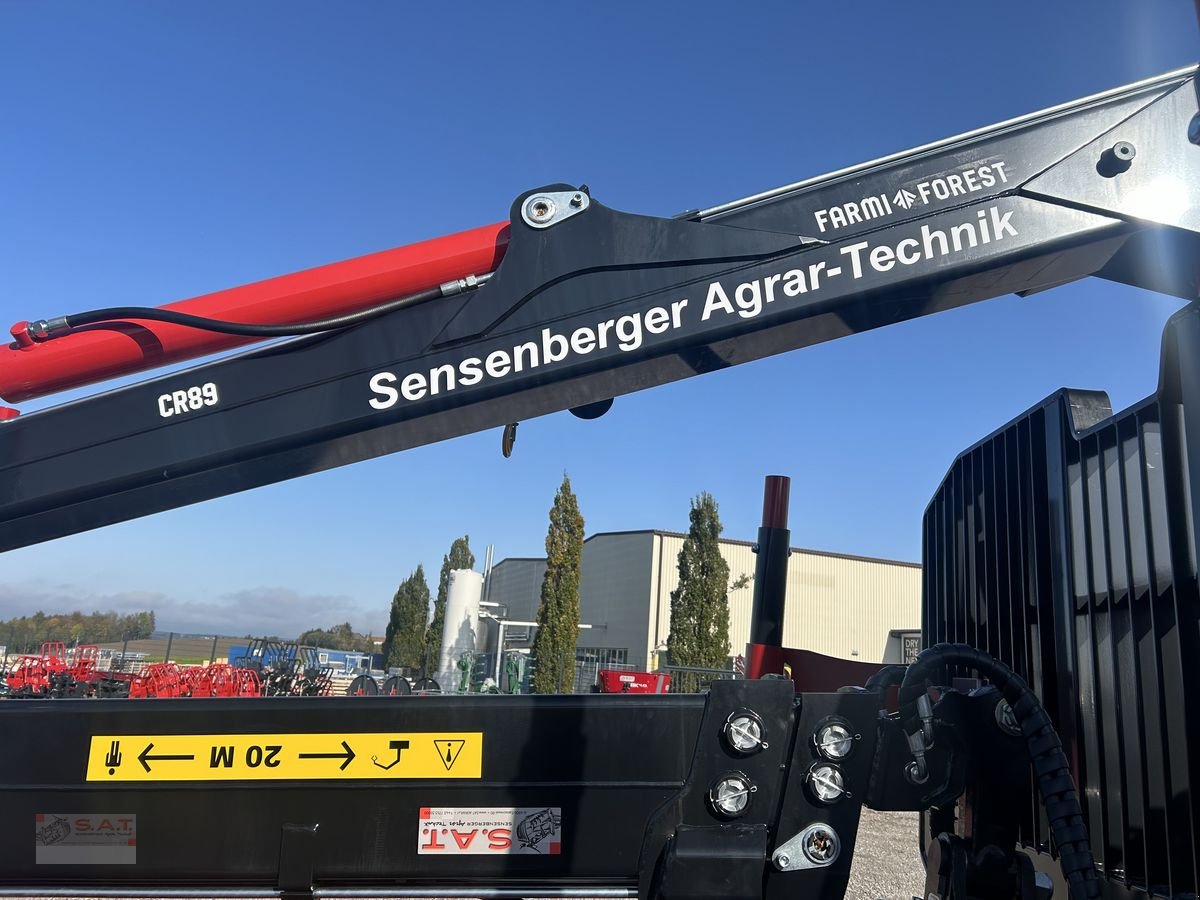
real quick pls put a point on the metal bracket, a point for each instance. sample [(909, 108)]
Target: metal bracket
[(816, 847), (297, 851), (548, 208)]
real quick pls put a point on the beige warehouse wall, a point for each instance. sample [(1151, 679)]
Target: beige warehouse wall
[(837, 605)]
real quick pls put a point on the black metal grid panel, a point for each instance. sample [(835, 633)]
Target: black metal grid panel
[(1065, 545)]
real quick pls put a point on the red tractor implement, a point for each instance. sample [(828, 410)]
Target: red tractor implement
[(613, 681), (196, 681), (247, 683), (28, 678), (47, 675), (158, 680)]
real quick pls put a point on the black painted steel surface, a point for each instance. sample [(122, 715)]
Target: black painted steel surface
[(606, 303), (1065, 545), (627, 776)]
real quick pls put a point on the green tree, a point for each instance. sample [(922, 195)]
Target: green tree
[(700, 605), (459, 557), (558, 614), (317, 637), (337, 637), (26, 633), (404, 640), (138, 626)]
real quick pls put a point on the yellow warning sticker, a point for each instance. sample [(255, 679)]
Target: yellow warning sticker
[(277, 757)]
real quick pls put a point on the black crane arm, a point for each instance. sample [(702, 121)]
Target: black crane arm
[(590, 303)]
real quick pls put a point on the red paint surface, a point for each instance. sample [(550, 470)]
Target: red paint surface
[(811, 672), (612, 681), (30, 370)]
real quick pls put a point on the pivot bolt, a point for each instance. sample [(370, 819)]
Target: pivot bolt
[(820, 845), (547, 209), (743, 732), (540, 209), (1123, 150), (784, 860), (1116, 159), (731, 794)]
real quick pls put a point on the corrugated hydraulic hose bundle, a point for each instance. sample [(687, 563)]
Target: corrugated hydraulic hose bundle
[(1050, 766)]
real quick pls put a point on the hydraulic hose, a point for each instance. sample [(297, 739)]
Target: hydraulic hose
[(1050, 766), (48, 330), (888, 676)]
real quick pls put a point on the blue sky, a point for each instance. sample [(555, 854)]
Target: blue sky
[(157, 151)]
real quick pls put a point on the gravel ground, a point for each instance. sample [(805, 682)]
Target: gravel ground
[(887, 863)]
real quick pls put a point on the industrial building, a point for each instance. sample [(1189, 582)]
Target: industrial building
[(851, 607)]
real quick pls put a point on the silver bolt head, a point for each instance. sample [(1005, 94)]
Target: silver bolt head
[(577, 200), (784, 860), (820, 845), (540, 208)]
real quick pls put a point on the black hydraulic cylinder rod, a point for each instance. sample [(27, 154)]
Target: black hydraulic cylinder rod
[(770, 570)]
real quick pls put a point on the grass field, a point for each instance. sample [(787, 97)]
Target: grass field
[(188, 651)]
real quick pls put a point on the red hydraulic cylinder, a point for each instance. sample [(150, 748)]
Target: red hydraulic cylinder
[(29, 370)]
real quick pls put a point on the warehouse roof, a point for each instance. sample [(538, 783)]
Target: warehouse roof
[(829, 553), (680, 534)]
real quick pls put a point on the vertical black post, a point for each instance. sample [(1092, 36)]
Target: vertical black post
[(124, 651), (212, 657), (770, 569), (170, 639)]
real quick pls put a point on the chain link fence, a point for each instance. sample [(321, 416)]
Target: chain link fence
[(134, 655), (692, 680), (589, 661)]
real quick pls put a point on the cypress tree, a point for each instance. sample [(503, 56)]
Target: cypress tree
[(404, 641), (459, 557), (700, 605), (558, 614)]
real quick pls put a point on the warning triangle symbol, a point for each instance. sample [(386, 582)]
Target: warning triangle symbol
[(448, 751)]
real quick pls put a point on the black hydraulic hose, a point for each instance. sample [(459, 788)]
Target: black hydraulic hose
[(1050, 766), (245, 329), (888, 676), (47, 330)]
